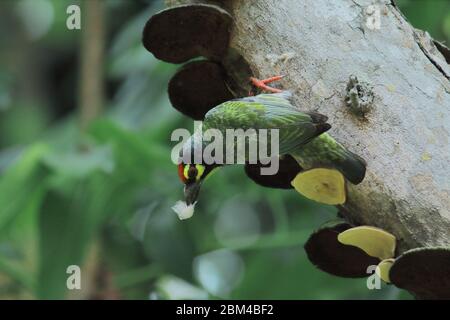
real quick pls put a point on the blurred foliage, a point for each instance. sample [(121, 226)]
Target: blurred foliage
[(430, 15), (101, 199)]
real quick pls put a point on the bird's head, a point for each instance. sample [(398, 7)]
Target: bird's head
[(191, 171), (193, 175)]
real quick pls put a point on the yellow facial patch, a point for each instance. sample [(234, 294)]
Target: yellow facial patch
[(186, 171), (200, 170)]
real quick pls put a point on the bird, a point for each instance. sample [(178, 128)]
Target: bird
[(302, 135)]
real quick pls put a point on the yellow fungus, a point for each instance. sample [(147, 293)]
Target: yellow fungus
[(383, 269), (373, 241), (322, 185)]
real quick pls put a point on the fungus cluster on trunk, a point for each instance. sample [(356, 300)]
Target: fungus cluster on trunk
[(288, 170), (202, 32), (322, 185), (182, 33), (348, 251), (344, 250), (197, 87)]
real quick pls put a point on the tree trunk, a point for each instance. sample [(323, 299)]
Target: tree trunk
[(318, 45), (92, 60)]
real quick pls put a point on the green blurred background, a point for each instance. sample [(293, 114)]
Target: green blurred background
[(100, 197)]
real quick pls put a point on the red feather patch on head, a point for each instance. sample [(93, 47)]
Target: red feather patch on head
[(181, 173)]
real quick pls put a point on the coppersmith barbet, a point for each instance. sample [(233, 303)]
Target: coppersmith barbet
[(301, 135)]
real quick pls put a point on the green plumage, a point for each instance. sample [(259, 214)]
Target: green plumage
[(301, 134)]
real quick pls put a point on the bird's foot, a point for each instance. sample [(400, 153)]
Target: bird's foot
[(262, 84)]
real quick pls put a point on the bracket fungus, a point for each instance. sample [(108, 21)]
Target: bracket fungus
[(425, 272), (329, 255), (322, 185), (183, 32), (383, 269), (373, 241), (288, 169), (198, 87)]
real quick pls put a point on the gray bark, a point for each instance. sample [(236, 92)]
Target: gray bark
[(318, 45)]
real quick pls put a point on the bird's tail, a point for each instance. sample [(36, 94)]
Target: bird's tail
[(352, 166), (324, 151)]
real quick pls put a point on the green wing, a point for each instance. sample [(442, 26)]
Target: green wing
[(268, 111)]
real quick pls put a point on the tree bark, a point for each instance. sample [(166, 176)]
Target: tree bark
[(318, 45)]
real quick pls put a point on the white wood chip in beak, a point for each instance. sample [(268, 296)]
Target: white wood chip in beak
[(183, 210)]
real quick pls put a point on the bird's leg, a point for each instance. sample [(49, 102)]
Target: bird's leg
[(262, 84)]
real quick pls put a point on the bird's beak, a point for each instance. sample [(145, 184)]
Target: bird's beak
[(191, 192)]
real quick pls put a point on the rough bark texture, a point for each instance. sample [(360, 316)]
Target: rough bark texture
[(318, 45)]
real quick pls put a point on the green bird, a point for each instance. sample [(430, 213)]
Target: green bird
[(301, 135)]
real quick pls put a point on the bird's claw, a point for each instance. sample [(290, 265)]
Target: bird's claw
[(262, 84)]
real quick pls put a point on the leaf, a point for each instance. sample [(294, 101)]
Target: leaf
[(67, 225), (79, 163), (21, 183), (134, 157), (167, 242)]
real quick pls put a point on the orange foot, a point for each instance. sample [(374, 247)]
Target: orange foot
[(262, 84)]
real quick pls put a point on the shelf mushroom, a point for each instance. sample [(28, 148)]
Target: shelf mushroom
[(288, 169), (383, 269), (322, 185), (198, 87), (425, 272), (374, 241), (329, 255), (180, 33)]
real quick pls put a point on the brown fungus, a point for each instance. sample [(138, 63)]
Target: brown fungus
[(288, 169), (180, 33), (198, 87), (425, 272), (329, 255)]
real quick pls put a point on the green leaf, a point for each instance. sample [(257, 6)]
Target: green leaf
[(167, 242), (68, 224), (21, 183), (80, 163)]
